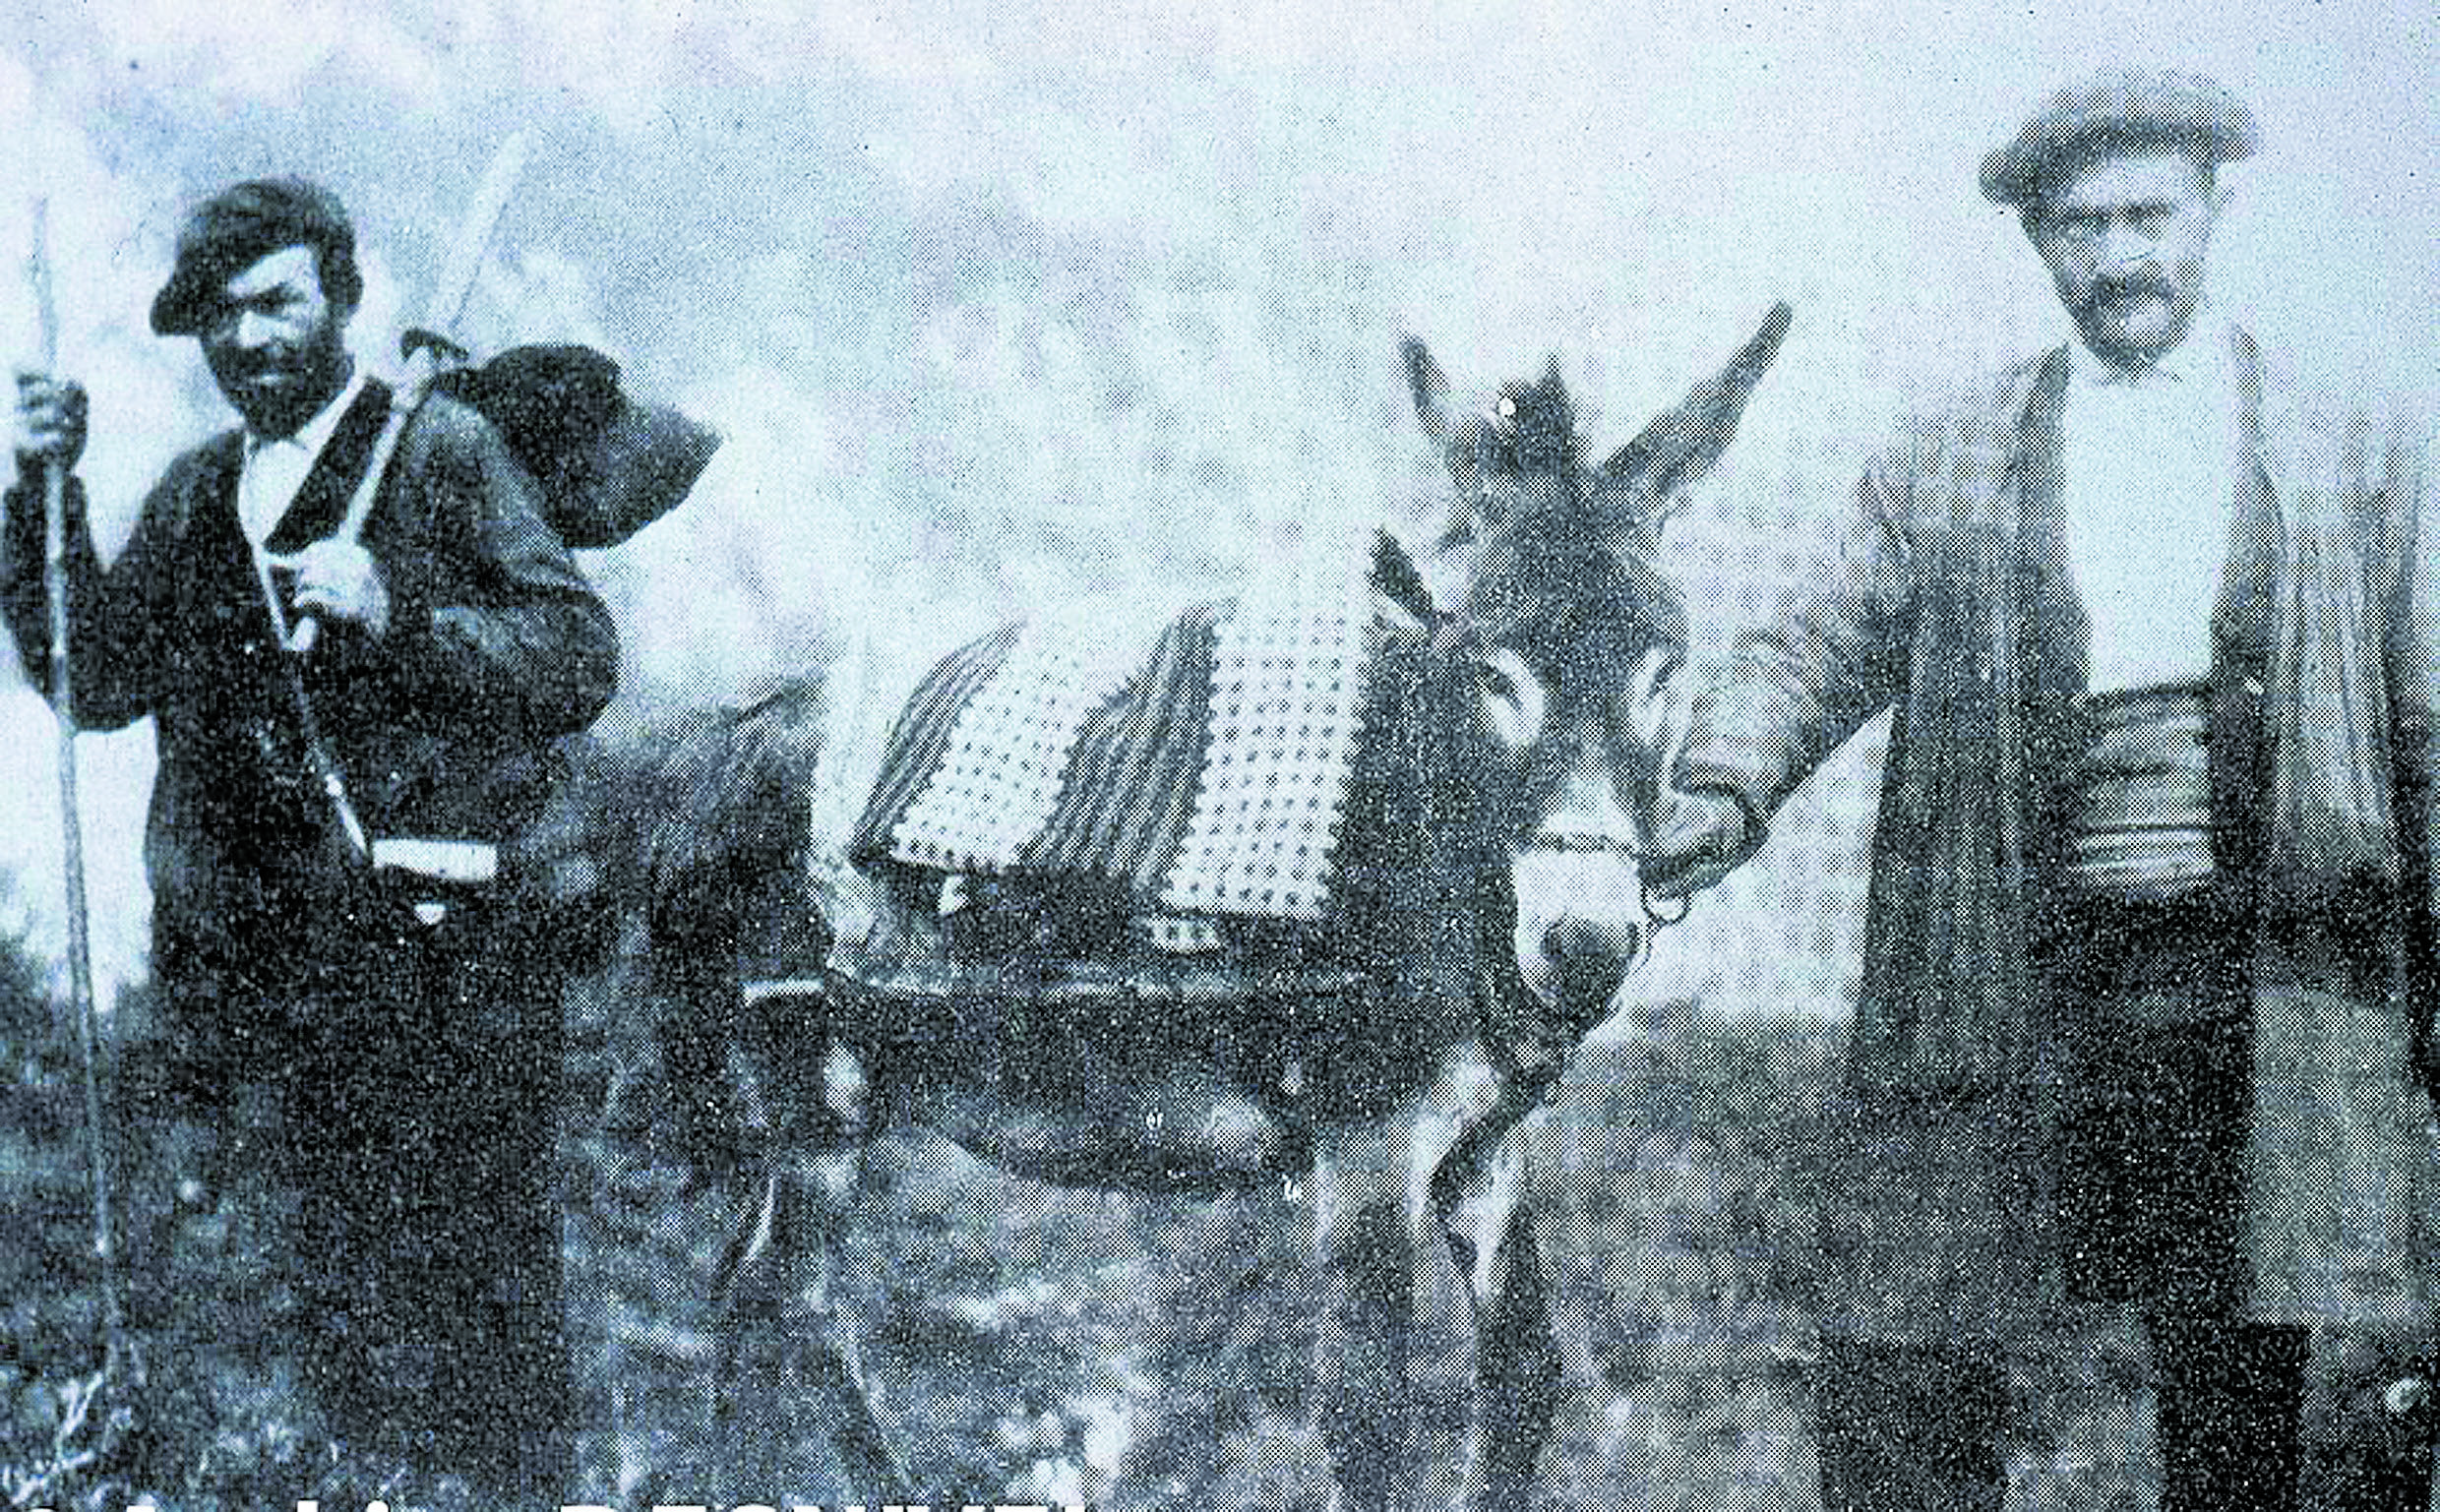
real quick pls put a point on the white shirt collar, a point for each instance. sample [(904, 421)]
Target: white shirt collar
[(274, 467), (2198, 363)]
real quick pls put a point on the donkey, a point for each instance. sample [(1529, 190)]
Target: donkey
[(1387, 1056)]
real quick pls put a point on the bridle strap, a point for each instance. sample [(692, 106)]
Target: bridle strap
[(1657, 912)]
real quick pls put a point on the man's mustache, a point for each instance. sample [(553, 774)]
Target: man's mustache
[(257, 364), (2127, 287)]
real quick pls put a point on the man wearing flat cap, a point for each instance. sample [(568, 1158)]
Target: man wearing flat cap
[(2147, 995), (376, 1045)]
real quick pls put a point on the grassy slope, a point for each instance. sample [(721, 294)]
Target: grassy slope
[(1142, 1352), (1032, 1342)]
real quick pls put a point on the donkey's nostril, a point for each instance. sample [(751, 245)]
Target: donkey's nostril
[(1589, 959)]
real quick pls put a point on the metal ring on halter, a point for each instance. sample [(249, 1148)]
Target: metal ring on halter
[(1662, 917), (1658, 913)]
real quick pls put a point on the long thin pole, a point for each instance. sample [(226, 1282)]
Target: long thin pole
[(80, 943), (449, 299)]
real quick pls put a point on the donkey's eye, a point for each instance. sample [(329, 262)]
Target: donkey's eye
[(1506, 410)]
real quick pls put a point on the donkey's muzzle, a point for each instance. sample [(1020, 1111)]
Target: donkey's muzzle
[(1587, 962)]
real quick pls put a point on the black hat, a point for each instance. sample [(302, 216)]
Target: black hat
[(2180, 111), (242, 225)]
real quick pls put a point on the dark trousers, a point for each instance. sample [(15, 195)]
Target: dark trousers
[(1907, 1429), (2151, 1164), (1914, 1430), (408, 1120), (2230, 1399), (2150, 1181)]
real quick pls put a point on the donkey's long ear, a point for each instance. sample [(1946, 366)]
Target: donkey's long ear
[(1431, 388), (1642, 477)]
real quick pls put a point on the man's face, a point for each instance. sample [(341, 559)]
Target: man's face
[(2125, 234), (275, 343)]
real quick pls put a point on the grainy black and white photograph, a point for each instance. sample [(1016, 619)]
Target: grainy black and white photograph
[(1426, 757)]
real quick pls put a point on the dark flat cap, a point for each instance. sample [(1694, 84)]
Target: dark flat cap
[(242, 224), (2132, 110)]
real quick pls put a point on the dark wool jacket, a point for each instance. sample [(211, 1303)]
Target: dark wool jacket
[(1943, 600), (442, 725)]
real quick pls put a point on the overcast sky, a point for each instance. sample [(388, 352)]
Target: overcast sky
[(761, 208)]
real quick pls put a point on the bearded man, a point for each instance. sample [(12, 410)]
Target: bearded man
[(2146, 1016), (384, 1056)]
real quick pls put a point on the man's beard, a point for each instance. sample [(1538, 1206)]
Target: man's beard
[(278, 388)]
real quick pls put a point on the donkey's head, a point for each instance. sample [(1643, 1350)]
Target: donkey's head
[(1546, 566)]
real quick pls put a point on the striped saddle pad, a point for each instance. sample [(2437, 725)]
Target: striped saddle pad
[(1232, 762)]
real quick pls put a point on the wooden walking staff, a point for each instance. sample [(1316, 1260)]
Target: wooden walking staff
[(80, 946), (426, 357)]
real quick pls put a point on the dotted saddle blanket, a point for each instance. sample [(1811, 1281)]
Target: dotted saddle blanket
[(1229, 769)]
